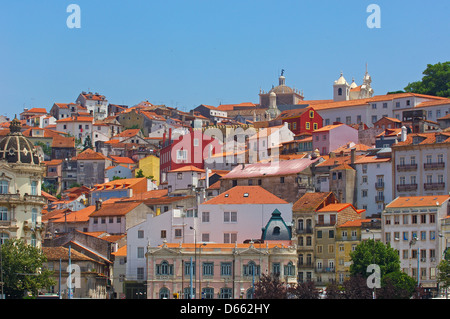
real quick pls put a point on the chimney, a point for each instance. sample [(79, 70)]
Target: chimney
[(352, 155), (404, 133), (207, 178), (98, 204)]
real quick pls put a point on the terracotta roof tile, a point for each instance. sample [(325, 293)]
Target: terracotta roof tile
[(245, 195), (418, 201)]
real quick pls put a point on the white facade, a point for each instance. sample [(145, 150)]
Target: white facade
[(231, 223), (79, 128), (95, 103), (421, 169), (372, 109), (401, 223), (373, 184)]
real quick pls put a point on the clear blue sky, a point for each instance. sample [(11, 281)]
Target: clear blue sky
[(183, 53)]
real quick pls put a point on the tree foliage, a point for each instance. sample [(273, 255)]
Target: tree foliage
[(305, 290), (270, 287), (436, 81), (397, 285), (373, 252), (22, 269)]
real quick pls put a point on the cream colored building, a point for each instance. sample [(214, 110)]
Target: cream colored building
[(21, 175)]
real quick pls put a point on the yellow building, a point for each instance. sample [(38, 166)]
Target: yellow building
[(348, 236), (150, 167)]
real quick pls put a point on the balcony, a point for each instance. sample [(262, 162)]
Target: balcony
[(433, 186), (379, 198), (406, 187), (406, 167), (307, 230), (34, 199), (9, 198), (379, 185), (437, 165), (326, 270)]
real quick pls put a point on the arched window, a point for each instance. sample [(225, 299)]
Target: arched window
[(289, 269), (250, 293), (251, 269), (164, 293), (164, 269), (3, 213), (226, 293), (276, 231)]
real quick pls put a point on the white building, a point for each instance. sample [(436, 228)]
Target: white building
[(79, 126), (96, 104), (412, 226), (373, 182), (239, 214), (420, 164)]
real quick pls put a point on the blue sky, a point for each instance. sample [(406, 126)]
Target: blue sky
[(184, 53)]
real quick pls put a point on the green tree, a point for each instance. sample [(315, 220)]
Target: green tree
[(397, 285), (436, 81), (22, 269), (140, 174), (87, 143), (374, 252), (443, 276)]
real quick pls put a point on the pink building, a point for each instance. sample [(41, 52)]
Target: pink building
[(331, 137), (219, 271)]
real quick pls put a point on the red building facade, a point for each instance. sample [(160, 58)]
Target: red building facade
[(302, 121)]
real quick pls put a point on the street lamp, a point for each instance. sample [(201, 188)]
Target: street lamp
[(195, 258), (413, 242), (373, 260)]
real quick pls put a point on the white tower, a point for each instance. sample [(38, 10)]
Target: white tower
[(341, 89)]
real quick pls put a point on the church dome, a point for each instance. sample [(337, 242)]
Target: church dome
[(282, 89), (16, 148)]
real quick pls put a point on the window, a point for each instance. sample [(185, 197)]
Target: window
[(229, 238), (163, 234), (225, 269), (282, 179), (289, 269), (164, 268), (311, 114), (196, 142), (226, 293), (374, 118), (308, 125), (178, 233), (4, 185), (374, 106), (182, 155), (3, 213), (205, 217), (251, 269), (140, 273), (315, 126), (140, 252), (229, 217), (34, 214), (208, 269), (385, 105), (33, 188)]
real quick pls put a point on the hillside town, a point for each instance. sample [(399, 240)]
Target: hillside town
[(152, 202)]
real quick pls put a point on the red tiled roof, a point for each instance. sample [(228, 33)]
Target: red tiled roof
[(245, 195), (115, 209), (418, 201), (90, 154)]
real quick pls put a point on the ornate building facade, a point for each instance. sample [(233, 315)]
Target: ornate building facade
[(21, 175)]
